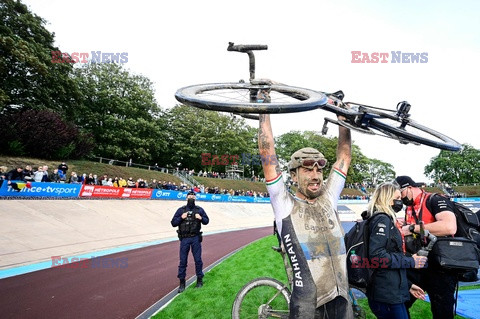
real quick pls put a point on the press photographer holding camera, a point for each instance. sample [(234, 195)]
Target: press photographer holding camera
[(189, 220)]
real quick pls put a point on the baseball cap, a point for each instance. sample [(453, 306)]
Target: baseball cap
[(405, 181), (191, 193)]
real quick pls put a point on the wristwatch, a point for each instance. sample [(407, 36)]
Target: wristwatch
[(412, 228)]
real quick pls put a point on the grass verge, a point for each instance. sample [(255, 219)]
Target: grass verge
[(223, 282)]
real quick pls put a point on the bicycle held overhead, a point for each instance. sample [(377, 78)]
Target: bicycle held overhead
[(243, 98)]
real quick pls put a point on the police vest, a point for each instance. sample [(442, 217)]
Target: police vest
[(190, 226)]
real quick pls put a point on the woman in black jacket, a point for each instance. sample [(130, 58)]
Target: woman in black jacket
[(389, 288)]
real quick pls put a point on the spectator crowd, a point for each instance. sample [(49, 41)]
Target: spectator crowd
[(61, 175)]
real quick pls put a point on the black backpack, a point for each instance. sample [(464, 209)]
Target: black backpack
[(360, 271), (468, 226)]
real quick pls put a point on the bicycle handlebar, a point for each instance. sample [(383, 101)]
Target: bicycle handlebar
[(246, 48)]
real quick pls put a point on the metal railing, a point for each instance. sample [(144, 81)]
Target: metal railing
[(186, 178)]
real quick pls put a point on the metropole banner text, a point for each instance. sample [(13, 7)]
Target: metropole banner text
[(114, 192), (179, 195), (40, 189)]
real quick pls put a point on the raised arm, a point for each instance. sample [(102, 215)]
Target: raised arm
[(266, 147), (344, 149)]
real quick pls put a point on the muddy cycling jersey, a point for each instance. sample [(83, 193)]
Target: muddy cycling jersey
[(313, 238)]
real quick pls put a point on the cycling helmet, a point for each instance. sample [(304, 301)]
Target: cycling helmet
[(307, 157)]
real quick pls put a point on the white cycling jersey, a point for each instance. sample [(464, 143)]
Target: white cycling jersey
[(313, 238)]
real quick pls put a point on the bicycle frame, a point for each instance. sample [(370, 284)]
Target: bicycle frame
[(245, 100)]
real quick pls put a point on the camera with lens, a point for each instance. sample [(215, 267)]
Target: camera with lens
[(189, 214)]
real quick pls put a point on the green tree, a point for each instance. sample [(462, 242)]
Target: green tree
[(461, 167), (194, 132), (121, 112), (377, 171), (286, 144), (28, 78)]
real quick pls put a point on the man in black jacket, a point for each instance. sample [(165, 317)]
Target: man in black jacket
[(15, 174), (189, 220)]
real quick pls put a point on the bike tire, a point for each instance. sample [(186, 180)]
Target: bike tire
[(388, 123), (257, 293), (235, 98), (411, 135)]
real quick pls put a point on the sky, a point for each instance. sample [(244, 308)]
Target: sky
[(310, 43)]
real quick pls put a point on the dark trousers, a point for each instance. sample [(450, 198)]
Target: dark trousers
[(196, 245), (388, 311), (337, 308), (440, 286)]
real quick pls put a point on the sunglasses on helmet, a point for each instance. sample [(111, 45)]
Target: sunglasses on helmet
[(310, 163)]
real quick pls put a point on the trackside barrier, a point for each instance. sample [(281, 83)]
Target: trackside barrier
[(52, 190), (178, 195), (38, 189)]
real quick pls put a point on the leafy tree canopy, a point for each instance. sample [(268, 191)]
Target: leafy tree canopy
[(461, 167), (193, 132), (290, 142), (120, 111), (28, 78)]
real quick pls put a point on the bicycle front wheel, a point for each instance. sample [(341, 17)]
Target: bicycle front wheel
[(237, 98), (415, 133), (262, 298), (389, 123)]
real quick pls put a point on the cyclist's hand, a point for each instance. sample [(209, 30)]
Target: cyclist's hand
[(342, 105), (184, 215), (263, 96), (197, 216)]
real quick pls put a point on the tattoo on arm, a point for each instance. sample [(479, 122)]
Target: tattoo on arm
[(278, 170), (341, 165)]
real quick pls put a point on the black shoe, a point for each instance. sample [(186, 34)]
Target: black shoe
[(199, 283), (181, 288)]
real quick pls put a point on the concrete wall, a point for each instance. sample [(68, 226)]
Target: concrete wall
[(33, 231)]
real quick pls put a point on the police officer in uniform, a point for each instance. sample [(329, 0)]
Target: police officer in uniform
[(189, 220)]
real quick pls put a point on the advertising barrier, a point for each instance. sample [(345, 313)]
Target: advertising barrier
[(114, 192), (179, 195), (42, 189), (39, 189)]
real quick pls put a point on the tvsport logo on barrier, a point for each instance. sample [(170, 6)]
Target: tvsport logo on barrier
[(178, 195), (40, 189)]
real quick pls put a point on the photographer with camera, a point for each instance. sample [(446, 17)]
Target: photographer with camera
[(189, 220)]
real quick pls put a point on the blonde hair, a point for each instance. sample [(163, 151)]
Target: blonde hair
[(381, 200)]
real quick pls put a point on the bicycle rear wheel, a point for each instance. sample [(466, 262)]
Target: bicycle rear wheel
[(262, 298), (237, 98)]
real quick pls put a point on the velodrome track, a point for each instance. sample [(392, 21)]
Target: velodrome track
[(115, 292), (32, 231), (138, 231)]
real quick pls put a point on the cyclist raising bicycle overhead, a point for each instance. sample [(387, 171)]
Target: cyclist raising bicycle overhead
[(309, 225)]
